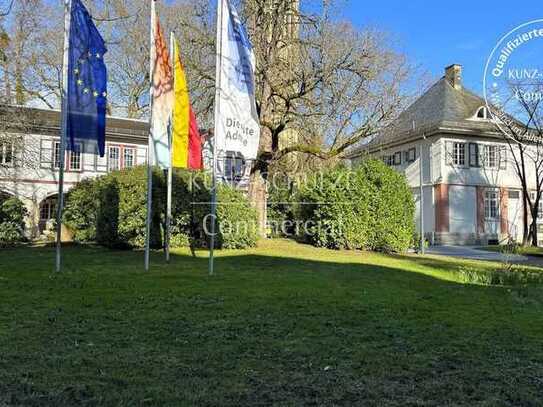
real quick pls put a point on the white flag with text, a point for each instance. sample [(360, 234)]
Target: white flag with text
[(237, 127)]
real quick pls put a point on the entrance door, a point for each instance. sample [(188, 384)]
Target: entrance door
[(462, 209)]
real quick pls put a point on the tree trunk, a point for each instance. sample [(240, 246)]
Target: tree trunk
[(526, 227), (534, 234), (258, 195)]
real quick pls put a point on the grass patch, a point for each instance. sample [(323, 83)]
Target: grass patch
[(283, 324), (525, 251)]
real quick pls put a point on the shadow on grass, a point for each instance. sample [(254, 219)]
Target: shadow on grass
[(255, 263), (268, 329)]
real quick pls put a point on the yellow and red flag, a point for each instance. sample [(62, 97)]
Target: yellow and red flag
[(162, 94), (186, 140)]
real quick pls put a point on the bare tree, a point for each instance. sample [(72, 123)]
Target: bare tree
[(522, 129), (323, 86)]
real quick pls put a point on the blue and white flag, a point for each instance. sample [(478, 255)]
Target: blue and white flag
[(237, 126), (87, 84)]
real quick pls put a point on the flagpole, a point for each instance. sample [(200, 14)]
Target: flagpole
[(63, 129), (216, 132), (170, 169), (150, 143)]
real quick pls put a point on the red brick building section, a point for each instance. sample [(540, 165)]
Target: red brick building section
[(442, 207)]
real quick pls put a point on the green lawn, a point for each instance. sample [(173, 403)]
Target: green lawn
[(284, 324)]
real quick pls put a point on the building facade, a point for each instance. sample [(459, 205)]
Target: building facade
[(30, 159), (472, 194)]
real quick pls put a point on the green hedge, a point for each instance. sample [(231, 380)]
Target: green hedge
[(238, 226), (111, 210), (12, 221), (281, 206), (370, 207)]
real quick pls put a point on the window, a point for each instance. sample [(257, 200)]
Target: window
[(514, 194), (492, 205), (128, 157), (398, 158), (6, 152), (56, 155), (473, 155), (75, 159), (113, 161), (48, 209), (459, 154), (491, 156), (388, 160), (483, 113)]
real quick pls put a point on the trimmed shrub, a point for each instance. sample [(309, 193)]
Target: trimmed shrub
[(370, 207), (81, 210), (112, 210), (237, 219), (335, 209), (392, 208), (132, 206), (107, 213), (12, 221)]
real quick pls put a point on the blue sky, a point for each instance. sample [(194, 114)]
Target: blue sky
[(438, 33)]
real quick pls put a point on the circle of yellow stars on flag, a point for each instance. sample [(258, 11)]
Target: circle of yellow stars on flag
[(80, 81)]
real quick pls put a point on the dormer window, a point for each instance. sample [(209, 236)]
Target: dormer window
[(483, 113)]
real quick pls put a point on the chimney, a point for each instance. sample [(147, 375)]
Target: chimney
[(453, 74)]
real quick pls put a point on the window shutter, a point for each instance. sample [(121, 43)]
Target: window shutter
[(473, 153), (482, 156), (449, 152), (46, 153), (503, 158), (466, 155)]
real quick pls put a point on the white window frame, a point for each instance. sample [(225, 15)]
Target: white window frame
[(492, 205), (491, 150), (132, 150), (56, 155), (73, 154), (459, 154), (6, 145), (109, 158)]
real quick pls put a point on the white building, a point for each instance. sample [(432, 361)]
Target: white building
[(29, 158), (472, 194)]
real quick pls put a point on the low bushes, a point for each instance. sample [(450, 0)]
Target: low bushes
[(506, 276), (370, 207), (111, 210), (12, 225)]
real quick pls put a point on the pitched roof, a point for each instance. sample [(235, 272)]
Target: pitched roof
[(441, 107), (48, 121)]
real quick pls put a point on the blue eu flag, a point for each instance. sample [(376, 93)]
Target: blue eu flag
[(87, 84)]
